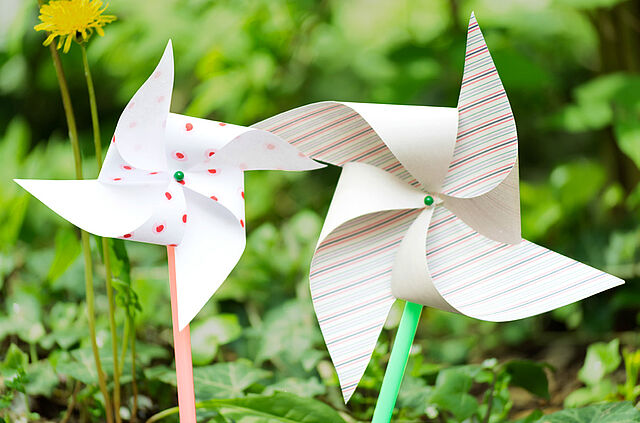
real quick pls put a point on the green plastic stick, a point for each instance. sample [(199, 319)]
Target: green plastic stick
[(397, 363)]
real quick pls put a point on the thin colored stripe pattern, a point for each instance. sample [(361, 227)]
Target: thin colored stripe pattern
[(334, 133), (351, 288), (493, 281), (487, 143)]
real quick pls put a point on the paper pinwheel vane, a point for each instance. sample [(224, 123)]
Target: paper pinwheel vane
[(426, 210)]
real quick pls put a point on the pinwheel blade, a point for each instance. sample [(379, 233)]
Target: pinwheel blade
[(107, 210), (139, 135), (334, 133), (212, 244), (494, 281), (487, 143), (350, 281), (495, 214)]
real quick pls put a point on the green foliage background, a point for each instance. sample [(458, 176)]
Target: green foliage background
[(570, 68)]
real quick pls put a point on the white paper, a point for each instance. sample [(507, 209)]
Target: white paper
[(212, 245), (101, 209)]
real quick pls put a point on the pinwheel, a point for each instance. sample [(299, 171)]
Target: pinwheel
[(426, 210), (174, 180)]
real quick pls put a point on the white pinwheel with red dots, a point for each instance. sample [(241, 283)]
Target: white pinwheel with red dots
[(427, 209), (173, 180)]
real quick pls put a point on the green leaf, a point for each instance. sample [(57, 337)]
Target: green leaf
[(68, 325), (226, 380), (289, 332), (42, 379), (451, 392), (621, 412), (602, 391), (531, 418), (302, 387), (278, 408), (530, 376), (12, 369), (577, 183), (24, 319), (208, 334), (14, 359), (67, 250), (627, 134), (80, 366), (221, 380), (601, 360)]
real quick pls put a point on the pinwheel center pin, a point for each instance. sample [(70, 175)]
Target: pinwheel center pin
[(428, 200), (179, 176)]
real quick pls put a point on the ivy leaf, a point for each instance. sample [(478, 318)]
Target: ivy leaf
[(289, 332), (451, 392), (305, 387), (279, 408), (529, 375), (226, 380), (620, 412), (42, 378), (221, 380), (208, 334), (601, 360)]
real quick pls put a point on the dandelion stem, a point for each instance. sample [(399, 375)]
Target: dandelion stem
[(134, 383), (106, 249), (86, 247), (95, 122), (125, 342)]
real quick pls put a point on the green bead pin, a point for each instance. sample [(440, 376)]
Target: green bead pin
[(428, 200), (179, 176)]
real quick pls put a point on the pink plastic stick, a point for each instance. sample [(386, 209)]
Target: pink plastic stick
[(182, 349)]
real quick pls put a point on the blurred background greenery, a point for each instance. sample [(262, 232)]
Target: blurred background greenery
[(570, 68)]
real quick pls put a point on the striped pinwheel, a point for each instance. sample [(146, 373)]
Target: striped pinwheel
[(426, 210)]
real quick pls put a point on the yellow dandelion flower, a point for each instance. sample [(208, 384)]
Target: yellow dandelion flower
[(72, 19)]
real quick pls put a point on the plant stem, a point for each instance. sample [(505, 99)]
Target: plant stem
[(106, 252), (134, 383), (490, 399), (125, 342), (84, 236), (106, 249), (72, 403), (95, 122)]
